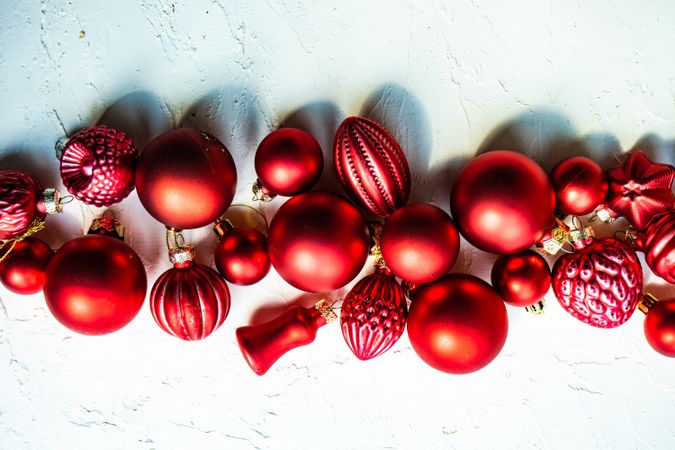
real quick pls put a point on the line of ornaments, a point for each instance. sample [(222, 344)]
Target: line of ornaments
[(502, 202)]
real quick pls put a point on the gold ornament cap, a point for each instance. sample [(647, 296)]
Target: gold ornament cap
[(326, 311), (108, 226), (51, 199), (181, 255)]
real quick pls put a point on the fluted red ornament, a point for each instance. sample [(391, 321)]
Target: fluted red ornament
[(241, 254), (457, 324), (419, 243), (23, 270), (373, 314), (263, 344), (659, 325), (502, 202), (580, 185), (522, 279), (371, 166), (186, 178), (288, 161), (190, 300), (98, 164), (657, 241), (318, 241)]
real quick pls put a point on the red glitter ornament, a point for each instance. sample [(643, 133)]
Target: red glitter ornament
[(23, 270), (579, 184), (657, 241), (522, 279)]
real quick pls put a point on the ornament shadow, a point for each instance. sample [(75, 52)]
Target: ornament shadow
[(656, 148), (660, 291), (271, 311)]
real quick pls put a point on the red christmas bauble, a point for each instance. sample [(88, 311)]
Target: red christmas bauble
[(288, 161), (419, 243), (241, 256), (186, 178), (98, 164), (659, 327), (502, 202), (371, 166), (373, 314), (579, 184), (190, 300), (457, 324), (657, 241), (522, 279), (318, 241), (23, 270), (95, 284)]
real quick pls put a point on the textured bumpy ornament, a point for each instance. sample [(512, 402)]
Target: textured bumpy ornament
[(373, 314), (657, 241), (98, 164), (371, 166)]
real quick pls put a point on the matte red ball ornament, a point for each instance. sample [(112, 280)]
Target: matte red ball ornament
[(371, 166), (241, 254), (318, 241), (659, 326), (186, 178), (502, 202), (419, 243), (457, 324), (288, 161), (522, 279), (23, 270), (98, 164), (657, 241), (580, 185)]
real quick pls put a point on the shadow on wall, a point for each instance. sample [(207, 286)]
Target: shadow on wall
[(656, 148)]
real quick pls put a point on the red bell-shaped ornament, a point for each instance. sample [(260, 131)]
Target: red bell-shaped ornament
[(262, 345), (657, 241), (659, 325)]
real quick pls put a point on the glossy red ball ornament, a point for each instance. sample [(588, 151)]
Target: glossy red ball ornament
[(98, 164), (457, 324), (522, 279), (371, 166), (419, 243), (318, 241), (502, 202), (23, 270), (657, 241), (186, 178), (241, 254), (288, 161), (580, 185), (659, 327), (95, 284), (373, 314)]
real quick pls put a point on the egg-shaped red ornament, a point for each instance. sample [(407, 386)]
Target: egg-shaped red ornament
[(419, 243), (288, 161), (23, 270), (522, 279), (659, 327), (373, 314), (190, 300), (657, 241), (186, 178), (371, 166), (318, 241), (241, 254), (502, 202), (95, 284), (580, 185), (457, 324), (98, 164)]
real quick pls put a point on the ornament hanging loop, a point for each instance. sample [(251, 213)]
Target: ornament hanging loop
[(175, 236), (224, 224)]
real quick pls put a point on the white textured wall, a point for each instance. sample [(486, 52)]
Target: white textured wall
[(549, 77)]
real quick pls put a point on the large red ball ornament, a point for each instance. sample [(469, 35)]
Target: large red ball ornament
[(659, 327), (522, 279), (457, 324), (23, 270), (657, 241), (241, 254), (580, 185), (186, 178), (318, 241), (419, 243), (95, 284), (502, 202), (288, 161)]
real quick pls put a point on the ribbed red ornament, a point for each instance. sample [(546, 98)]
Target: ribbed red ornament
[(371, 166), (373, 314), (657, 241)]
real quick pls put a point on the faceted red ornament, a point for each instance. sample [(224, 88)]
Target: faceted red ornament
[(23, 270), (371, 166), (288, 161), (502, 202), (241, 254), (600, 283), (373, 314), (659, 327), (262, 345), (579, 184), (419, 243), (522, 279), (318, 241), (190, 300), (186, 178), (95, 284), (457, 324), (657, 241), (98, 164)]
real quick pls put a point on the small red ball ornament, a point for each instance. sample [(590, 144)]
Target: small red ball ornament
[(288, 161), (23, 270), (186, 178), (241, 254), (318, 241), (502, 202), (522, 279), (579, 184), (659, 325), (419, 243), (457, 324), (657, 241)]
